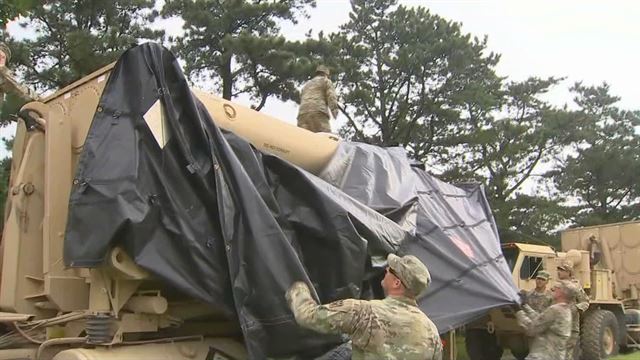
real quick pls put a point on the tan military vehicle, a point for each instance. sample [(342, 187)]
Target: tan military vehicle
[(48, 310), (606, 261)]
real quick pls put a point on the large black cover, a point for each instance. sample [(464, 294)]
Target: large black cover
[(234, 227), (454, 231)]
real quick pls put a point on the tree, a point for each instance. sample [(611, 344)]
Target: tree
[(406, 74), (237, 45), (76, 37), (602, 169), (535, 219), (504, 147), (5, 172), (73, 38), (10, 9)]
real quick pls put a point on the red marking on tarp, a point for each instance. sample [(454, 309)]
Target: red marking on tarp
[(463, 246)]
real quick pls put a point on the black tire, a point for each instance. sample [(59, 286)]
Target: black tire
[(599, 338), (519, 355), (481, 345)]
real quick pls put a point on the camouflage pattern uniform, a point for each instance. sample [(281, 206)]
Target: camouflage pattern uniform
[(5, 54), (579, 303), (318, 96), (550, 330), (537, 300), (393, 328)]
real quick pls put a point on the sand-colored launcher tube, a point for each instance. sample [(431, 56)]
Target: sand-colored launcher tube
[(311, 151)]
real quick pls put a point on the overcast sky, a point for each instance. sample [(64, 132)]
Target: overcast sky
[(583, 40), (590, 41)]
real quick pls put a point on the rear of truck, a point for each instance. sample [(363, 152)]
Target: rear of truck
[(614, 253)]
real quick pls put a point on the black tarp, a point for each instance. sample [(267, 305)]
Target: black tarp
[(231, 226), (452, 226)]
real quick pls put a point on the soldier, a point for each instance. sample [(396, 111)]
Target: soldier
[(7, 83), (539, 298), (5, 55), (318, 97), (393, 328), (579, 303), (551, 328)]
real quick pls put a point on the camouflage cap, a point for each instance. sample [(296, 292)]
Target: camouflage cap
[(566, 265), (411, 271), (323, 69), (543, 275)]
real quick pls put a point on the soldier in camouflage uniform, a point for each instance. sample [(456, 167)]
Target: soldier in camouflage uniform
[(393, 328), (317, 100), (551, 328), (579, 303), (5, 55), (539, 298)]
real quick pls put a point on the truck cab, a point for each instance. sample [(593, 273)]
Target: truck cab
[(603, 327)]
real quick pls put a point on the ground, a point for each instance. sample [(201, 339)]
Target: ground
[(462, 354), (632, 356)]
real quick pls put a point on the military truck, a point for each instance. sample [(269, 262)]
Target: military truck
[(606, 262), (115, 310), (53, 311)]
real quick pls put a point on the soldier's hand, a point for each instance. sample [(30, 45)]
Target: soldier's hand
[(523, 296), (296, 287)]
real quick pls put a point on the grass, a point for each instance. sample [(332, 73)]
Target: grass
[(462, 353), (632, 356)]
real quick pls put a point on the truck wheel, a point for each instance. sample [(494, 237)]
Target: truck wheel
[(481, 345), (519, 355), (599, 335)]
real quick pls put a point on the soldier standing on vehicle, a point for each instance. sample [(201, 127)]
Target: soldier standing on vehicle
[(539, 298), (7, 83), (551, 328), (5, 55), (393, 328), (579, 303), (317, 101)]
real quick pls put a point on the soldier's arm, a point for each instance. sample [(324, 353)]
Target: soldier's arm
[(333, 318), (582, 300), (332, 98), (535, 325), (529, 310)]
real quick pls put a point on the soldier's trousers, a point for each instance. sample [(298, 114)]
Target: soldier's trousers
[(571, 344), (314, 121)]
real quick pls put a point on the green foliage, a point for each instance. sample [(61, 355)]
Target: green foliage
[(11, 9), (237, 45), (5, 172), (407, 75), (534, 219), (602, 170), (9, 107), (503, 145), (75, 38)]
